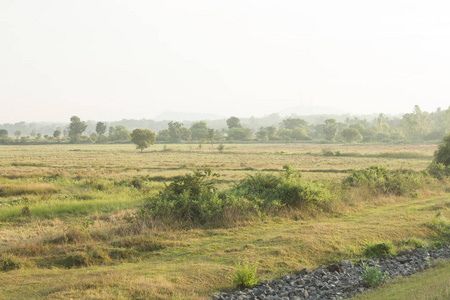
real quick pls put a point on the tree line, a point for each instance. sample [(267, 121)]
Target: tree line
[(411, 127)]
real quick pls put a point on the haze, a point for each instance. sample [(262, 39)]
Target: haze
[(109, 60)]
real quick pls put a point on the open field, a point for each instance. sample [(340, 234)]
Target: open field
[(81, 239)]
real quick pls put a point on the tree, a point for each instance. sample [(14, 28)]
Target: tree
[(17, 134), (210, 136), (143, 138), (100, 128), (3, 133), (442, 155), (199, 130), (57, 134), (417, 124), (76, 128), (350, 134), (233, 122), (177, 132), (292, 123), (119, 133), (239, 134), (330, 129)]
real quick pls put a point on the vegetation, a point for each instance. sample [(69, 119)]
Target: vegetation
[(376, 250), (86, 214), (442, 155), (372, 276), (244, 275), (143, 138)]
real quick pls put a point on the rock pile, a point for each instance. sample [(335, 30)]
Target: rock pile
[(340, 281)]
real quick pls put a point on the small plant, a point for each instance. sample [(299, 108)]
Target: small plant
[(327, 152), (221, 147), (374, 250), (372, 276), (413, 242), (26, 211), (8, 264), (244, 275)]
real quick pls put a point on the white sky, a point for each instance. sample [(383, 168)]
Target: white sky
[(109, 60)]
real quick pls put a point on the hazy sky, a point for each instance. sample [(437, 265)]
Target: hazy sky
[(109, 60)]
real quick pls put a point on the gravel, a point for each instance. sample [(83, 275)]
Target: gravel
[(338, 281)]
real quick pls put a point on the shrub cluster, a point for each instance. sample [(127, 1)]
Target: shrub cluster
[(193, 198), (375, 250), (381, 180)]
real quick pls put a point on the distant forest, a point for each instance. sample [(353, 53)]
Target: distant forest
[(416, 126)]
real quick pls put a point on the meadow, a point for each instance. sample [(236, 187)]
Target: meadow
[(70, 228)]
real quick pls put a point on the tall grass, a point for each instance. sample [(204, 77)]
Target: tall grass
[(7, 190)]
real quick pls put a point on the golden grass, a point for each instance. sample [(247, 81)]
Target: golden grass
[(7, 190)]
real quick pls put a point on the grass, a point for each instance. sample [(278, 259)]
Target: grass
[(84, 242), (431, 284)]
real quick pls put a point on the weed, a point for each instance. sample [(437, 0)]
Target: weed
[(372, 276), (244, 275), (440, 226), (412, 242), (374, 250), (9, 263)]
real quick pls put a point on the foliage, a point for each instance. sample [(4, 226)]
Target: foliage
[(438, 170), (350, 134), (440, 226), (233, 122), (8, 263), (100, 128), (330, 129), (190, 198), (269, 190), (239, 134), (245, 275), (372, 276), (375, 250), (143, 138), (76, 128), (221, 147), (442, 155), (381, 180)]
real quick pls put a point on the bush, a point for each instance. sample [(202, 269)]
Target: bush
[(8, 264), (381, 180), (244, 275), (272, 191), (413, 242), (440, 226), (442, 155), (375, 250), (372, 276), (190, 198), (438, 170)]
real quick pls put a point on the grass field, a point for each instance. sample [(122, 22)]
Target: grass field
[(80, 238)]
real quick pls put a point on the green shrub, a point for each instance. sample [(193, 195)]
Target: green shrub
[(374, 250), (440, 226), (442, 155), (190, 198), (244, 275), (9, 263), (381, 180), (438, 170), (372, 276), (272, 191), (413, 242)]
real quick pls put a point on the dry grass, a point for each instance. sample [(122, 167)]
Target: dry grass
[(7, 190)]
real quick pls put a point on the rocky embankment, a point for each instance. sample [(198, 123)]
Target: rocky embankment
[(339, 281)]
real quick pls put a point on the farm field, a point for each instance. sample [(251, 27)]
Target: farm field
[(68, 217)]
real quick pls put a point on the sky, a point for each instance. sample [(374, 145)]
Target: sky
[(111, 60)]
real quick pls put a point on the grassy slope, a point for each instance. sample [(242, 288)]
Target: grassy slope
[(431, 284), (198, 263)]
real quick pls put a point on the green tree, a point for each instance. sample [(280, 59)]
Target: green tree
[(239, 134), (233, 122), (119, 134), (292, 123), (76, 128), (330, 129), (100, 128), (416, 125), (350, 134), (143, 138), (163, 135), (210, 136), (3, 133), (442, 155), (57, 134), (17, 134), (199, 130)]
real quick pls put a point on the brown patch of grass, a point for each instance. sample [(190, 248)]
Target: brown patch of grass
[(7, 190)]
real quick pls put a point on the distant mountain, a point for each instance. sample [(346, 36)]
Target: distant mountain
[(310, 111), (181, 116)]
